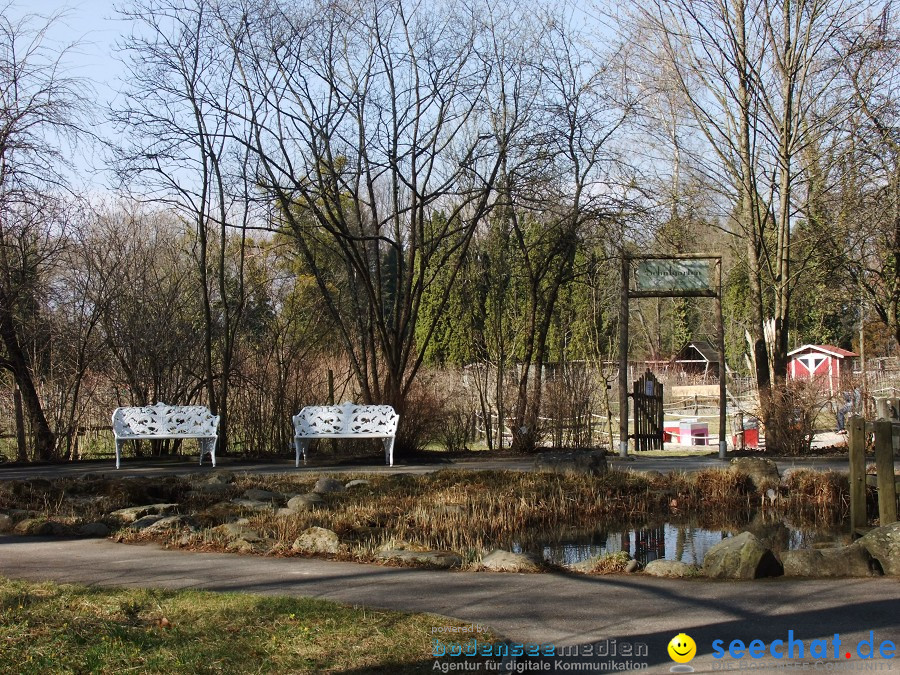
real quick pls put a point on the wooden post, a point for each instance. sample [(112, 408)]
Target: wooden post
[(623, 359), (661, 416), (21, 446), (862, 355), (857, 443), (884, 465), (723, 422)]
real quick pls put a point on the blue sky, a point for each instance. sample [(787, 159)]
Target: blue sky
[(92, 26), (90, 23)]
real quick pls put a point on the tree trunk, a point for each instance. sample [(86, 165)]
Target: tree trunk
[(44, 438)]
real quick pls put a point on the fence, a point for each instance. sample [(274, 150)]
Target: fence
[(882, 435)]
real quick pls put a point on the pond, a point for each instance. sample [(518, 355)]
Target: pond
[(671, 541)]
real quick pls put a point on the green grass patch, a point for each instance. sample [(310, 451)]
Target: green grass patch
[(73, 629)]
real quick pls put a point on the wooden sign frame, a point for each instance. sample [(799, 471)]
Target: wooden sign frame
[(628, 293)]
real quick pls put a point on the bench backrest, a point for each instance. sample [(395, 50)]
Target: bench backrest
[(346, 419), (165, 420)]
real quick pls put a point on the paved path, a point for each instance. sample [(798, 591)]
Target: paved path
[(559, 609), (187, 465)]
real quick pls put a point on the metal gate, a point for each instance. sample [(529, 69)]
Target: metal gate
[(648, 413)]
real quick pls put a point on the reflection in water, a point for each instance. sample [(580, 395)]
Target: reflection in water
[(671, 542)]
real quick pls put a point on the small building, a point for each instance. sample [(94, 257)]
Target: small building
[(698, 358), (825, 362)]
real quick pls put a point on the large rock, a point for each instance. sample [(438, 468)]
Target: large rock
[(443, 559), (134, 513), (162, 524), (244, 546), (741, 557), (255, 494), (591, 462), (305, 502), (771, 532), (844, 561), (326, 485), (145, 522), (671, 568), (41, 528), (239, 531), (883, 544), (506, 561), (762, 471), (252, 504), (219, 477), (317, 540), (614, 562)]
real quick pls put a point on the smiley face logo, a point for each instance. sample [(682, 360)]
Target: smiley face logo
[(682, 648)]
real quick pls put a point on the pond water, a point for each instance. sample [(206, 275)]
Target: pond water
[(670, 541)]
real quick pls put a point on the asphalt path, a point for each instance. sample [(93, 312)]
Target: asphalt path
[(154, 468), (593, 619)]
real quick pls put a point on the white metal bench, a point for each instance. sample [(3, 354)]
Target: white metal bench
[(345, 421), (163, 421)]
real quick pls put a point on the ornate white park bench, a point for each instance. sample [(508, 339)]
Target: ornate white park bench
[(163, 421), (345, 421)]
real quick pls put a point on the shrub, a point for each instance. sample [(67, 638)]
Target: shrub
[(790, 413)]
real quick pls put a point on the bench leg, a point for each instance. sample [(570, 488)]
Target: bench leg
[(208, 445), (389, 451), (119, 443), (300, 446)]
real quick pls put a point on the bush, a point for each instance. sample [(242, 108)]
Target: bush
[(568, 403), (455, 429), (789, 414)]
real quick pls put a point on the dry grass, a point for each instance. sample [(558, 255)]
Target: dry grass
[(466, 512)]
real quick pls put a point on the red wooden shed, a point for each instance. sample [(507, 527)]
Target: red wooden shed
[(820, 361)]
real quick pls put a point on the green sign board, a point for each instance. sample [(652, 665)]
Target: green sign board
[(672, 275)]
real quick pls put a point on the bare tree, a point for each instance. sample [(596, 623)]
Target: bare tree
[(370, 128), (180, 152), (150, 306), (562, 183), (41, 109), (865, 215)]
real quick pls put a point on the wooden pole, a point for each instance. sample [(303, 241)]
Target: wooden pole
[(623, 359), (857, 443), (862, 356), (723, 422), (884, 465)]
